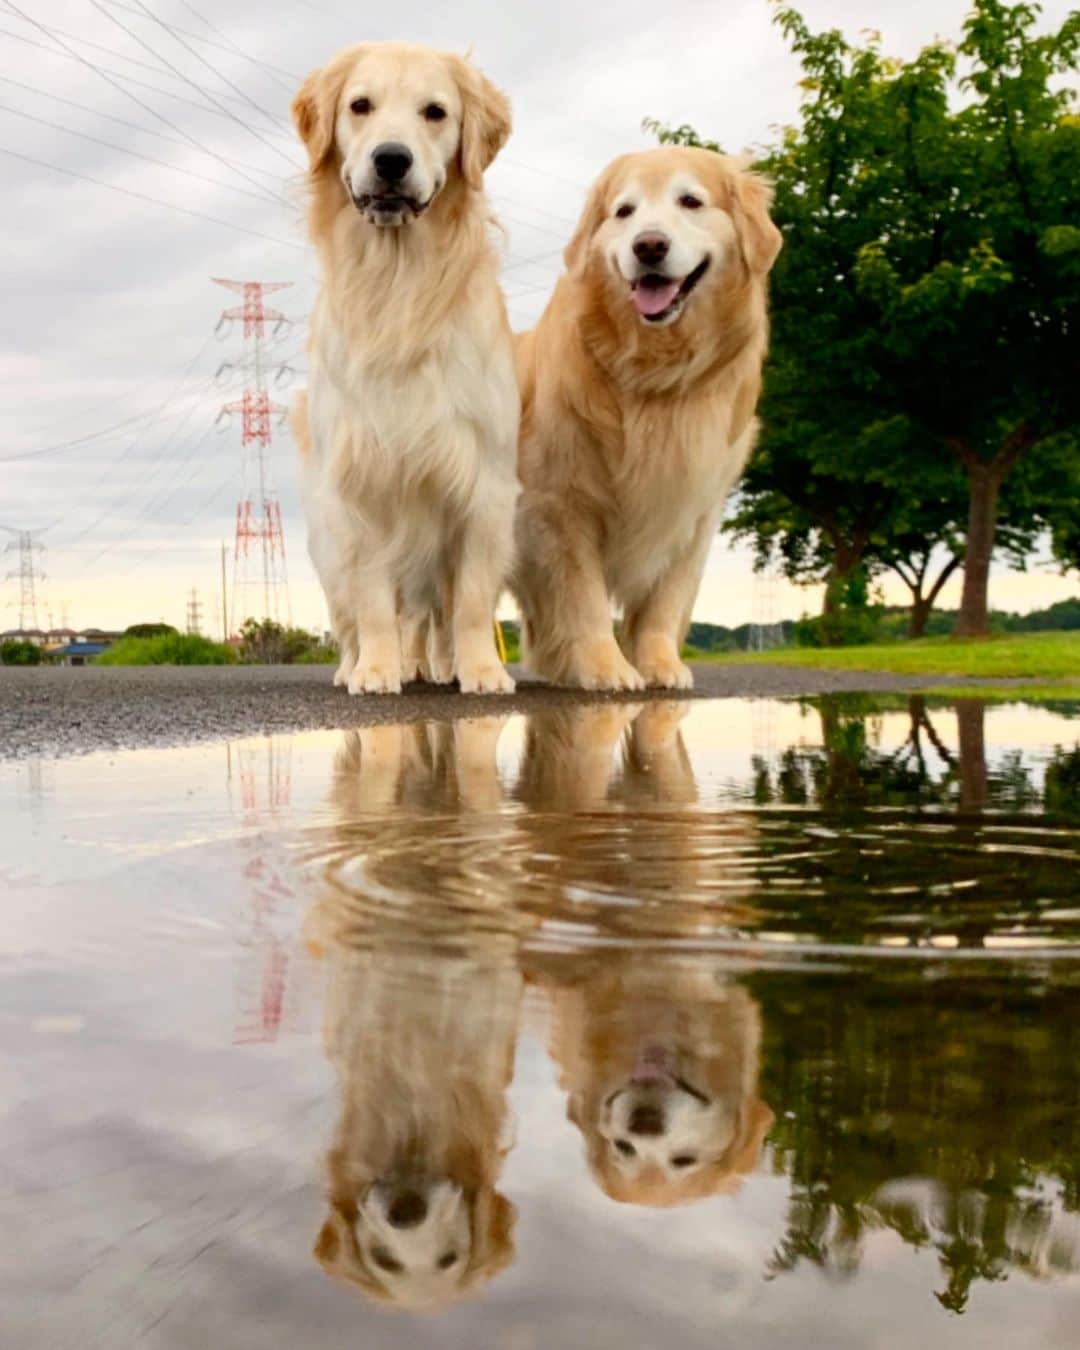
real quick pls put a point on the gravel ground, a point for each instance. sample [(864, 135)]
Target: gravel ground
[(62, 711)]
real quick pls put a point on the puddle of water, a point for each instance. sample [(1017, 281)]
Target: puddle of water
[(745, 1023)]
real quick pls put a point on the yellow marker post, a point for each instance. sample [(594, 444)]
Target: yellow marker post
[(500, 642)]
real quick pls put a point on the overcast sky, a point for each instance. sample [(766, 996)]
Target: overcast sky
[(109, 307)]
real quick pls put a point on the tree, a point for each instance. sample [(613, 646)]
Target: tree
[(925, 306), (149, 630), (265, 642), (14, 653)]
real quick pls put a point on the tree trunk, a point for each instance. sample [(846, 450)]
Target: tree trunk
[(974, 781), (921, 606), (984, 484)]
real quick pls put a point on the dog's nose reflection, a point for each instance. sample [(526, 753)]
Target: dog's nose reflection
[(392, 161), (407, 1210), (646, 1120)]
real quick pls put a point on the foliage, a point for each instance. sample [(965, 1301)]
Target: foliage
[(13, 653), (167, 649), (1013, 656), (264, 642), (148, 630), (923, 378), (1062, 783)]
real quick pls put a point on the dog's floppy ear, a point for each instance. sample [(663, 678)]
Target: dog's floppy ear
[(314, 111), (485, 122), (756, 1122), (576, 252), (493, 1220), (759, 237), (331, 1244)]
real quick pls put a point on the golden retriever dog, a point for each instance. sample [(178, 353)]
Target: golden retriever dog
[(409, 428), (421, 1017), (423, 1045), (638, 388), (659, 1056)]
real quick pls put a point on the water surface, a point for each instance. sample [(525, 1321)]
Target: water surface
[(634, 1025)]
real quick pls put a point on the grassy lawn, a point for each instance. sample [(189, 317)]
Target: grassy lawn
[(1049, 656)]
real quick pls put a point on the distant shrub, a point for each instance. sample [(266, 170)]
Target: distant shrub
[(264, 642), (14, 653), (167, 649), (149, 630), (322, 654)]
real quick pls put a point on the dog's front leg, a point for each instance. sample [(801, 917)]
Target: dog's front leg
[(655, 628), (566, 605), (480, 571), (378, 666)]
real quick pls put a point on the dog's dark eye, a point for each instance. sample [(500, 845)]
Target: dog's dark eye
[(385, 1261), (625, 210), (447, 1260), (434, 112), (360, 106), (683, 1160), (691, 202), (626, 1148)]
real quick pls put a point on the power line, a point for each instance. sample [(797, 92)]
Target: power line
[(206, 93), (78, 440), (176, 36), (226, 44), (154, 201), (135, 154), (68, 55), (134, 97)]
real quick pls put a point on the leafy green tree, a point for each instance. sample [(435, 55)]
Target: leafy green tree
[(149, 630), (925, 306), (13, 653), (265, 642)]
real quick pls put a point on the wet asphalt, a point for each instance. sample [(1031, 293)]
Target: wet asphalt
[(58, 711)]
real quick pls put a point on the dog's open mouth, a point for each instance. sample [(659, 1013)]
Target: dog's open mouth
[(658, 297)]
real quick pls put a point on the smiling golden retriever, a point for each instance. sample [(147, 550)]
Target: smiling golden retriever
[(638, 391), (659, 1055), (408, 430)]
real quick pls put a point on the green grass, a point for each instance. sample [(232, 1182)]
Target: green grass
[(1048, 656), (169, 649)]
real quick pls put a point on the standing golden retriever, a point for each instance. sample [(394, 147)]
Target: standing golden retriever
[(638, 391), (411, 416)]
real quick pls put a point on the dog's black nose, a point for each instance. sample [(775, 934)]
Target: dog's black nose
[(406, 1210), (392, 161), (651, 247), (646, 1120)]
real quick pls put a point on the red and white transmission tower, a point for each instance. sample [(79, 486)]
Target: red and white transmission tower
[(258, 512)]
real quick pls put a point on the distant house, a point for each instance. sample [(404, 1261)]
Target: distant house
[(80, 653), (35, 636)]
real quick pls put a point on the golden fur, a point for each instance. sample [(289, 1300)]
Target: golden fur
[(420, 1033), (633, 433), (620, 1009), (410, 421)]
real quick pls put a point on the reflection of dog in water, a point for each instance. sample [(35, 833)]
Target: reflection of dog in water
[(659, 1055), (422, 1038), (423, 1046)]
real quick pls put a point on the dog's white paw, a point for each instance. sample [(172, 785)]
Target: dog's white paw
[(603, 666), (371, 677), (485, 677), (344, 670), (657, 657)]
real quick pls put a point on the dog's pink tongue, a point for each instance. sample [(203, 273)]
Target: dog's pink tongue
[(654, 299)]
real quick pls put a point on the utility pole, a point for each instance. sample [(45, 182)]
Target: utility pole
[(258, 515), (224, 595), (28, 574)]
